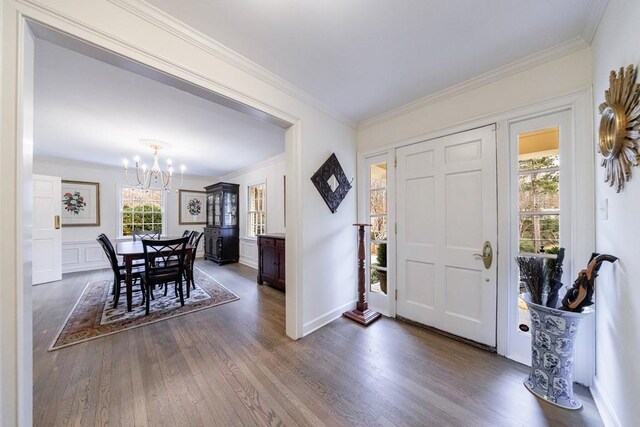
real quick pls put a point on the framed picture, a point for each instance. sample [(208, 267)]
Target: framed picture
[(80, 204), (192, 205)]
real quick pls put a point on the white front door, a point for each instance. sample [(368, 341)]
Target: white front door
[(446, 211), (47, 236)]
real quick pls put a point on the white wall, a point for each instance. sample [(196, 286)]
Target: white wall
[(321, 247), (80, 251), (617, 385), (540, 83), (271, 172)]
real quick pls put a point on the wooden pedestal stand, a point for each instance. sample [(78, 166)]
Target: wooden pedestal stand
[(362, 314)]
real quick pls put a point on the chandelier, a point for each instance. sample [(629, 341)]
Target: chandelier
[(155, 176)]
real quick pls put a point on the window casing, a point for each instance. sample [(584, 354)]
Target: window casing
[(256, 211), (141, 209)]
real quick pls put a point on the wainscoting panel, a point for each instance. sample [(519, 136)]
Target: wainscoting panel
[(82, 256), (88, 255), (249, 252)]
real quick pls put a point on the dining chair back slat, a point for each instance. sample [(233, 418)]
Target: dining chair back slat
[(142, 234)]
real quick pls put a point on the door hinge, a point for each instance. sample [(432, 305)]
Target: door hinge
[(396, 295), (395, 162), (395, 227)]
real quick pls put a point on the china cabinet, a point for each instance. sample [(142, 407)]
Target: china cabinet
[(221, 242)]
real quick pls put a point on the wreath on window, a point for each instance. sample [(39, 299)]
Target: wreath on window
[(194, 207)]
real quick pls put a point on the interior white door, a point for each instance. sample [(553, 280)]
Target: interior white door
[(47, 235), (446, 210)]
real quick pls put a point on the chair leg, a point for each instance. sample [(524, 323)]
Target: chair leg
[(179, 285), (143, 291), (149, 289), (116, 291)]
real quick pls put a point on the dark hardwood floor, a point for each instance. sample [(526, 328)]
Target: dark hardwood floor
[(233, 365)]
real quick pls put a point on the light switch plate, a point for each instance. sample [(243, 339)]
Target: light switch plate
[(603, 210)]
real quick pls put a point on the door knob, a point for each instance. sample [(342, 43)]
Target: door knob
[(486, 255)]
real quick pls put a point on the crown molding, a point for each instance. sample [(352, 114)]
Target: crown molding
[(531, 61), (267, 162), (596, 12), (172, 25)]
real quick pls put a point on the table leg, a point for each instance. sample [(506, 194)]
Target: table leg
[(128, 266)]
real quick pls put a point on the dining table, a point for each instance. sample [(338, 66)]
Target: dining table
[(133, 250)]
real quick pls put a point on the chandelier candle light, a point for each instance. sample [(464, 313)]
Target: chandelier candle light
[(155, 176)]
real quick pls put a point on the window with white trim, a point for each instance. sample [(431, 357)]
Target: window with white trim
[(256, 212), (141, 209)]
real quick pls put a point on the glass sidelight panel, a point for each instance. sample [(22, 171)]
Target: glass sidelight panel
[(538, 200), (378, 229)]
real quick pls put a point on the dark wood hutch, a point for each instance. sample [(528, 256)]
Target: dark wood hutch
[(221, 233)]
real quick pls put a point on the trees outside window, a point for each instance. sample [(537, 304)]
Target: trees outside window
[(539, 211), (256, 214), (142, 209)]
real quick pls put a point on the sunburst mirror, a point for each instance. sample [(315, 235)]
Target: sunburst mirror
[(619, 127)]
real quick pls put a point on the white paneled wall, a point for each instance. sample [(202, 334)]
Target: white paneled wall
[(249, 252)]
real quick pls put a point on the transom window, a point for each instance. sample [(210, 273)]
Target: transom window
[(141, 209), (256, 214)]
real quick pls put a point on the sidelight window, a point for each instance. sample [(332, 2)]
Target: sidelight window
[(378, 230)]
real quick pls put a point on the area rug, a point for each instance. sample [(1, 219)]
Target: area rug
[(93, 316)]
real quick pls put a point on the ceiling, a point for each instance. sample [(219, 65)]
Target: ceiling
[(362, 57), (94, 112)]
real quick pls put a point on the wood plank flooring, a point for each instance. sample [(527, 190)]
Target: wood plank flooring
[(233, 365)]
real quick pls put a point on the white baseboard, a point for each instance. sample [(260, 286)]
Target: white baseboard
[(326, 318), (609, 418)]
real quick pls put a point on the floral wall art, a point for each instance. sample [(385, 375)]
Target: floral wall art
[(192, 207), (80, 204)]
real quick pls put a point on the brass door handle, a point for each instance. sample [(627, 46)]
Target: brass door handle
[(56, 222), (486, 255)]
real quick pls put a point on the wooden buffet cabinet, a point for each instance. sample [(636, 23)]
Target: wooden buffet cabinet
[(221, 240), (271, 263)]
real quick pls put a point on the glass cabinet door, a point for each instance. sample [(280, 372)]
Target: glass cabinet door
[(217, 209), (209, 210), (230, 209)]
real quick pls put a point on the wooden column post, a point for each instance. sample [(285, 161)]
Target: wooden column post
[(362, 314)]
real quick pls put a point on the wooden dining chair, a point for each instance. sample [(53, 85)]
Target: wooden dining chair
[(186, 233), (188, 273), (119, 271), (164, 264), (142, 234)]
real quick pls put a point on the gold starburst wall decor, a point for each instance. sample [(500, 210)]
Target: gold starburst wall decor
[(619, 127)]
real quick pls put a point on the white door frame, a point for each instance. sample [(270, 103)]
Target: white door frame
[(583, 147), (16, 335)]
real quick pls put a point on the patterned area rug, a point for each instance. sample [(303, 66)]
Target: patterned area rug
[(94, 316)]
